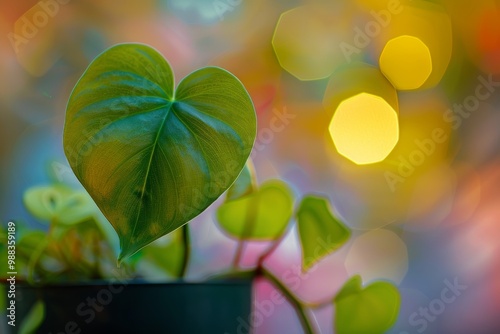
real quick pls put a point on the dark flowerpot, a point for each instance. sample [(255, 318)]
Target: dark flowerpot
[(112, 307)]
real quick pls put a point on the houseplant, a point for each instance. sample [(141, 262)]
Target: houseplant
[(60, 269), (153, 157)]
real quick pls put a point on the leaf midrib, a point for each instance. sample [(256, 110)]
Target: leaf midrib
[(153, 150)]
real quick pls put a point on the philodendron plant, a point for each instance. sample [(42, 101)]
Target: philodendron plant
[(153, 156)]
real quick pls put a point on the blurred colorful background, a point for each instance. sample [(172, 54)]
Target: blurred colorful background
[(390, 108)]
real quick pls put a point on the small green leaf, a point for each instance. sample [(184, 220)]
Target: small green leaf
[(165, 253), (245, 183), (319, 231), (352, 286), (151, 156), (261, 215), (371, 310), (44, 202), (59, 203), (77, 208), (33, 319)]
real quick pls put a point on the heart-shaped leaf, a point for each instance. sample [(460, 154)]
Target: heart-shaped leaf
[(153, 157), (261, 215), (371, 310), (44, 202), (319, 231), (59, 203)]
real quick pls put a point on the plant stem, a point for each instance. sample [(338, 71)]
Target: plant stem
[(248, 228), (298, 306), (239, 252), (187, 250), (271, 249)]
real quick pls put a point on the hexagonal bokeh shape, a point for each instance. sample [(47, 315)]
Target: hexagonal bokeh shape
[(406, 62), (429, 23), (364, 128), (378, 254), (306, 41)]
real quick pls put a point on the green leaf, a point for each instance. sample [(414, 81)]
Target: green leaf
[(59, 203), (261, 215), (77, 208), (153, 157), (371, 310), (351, 287), (44, 202), (165, 253), (319, 231), (245, 184), (33, 319)]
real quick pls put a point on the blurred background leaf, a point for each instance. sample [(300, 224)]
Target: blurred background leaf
[(315, 223), (372, 309), (262, 215)]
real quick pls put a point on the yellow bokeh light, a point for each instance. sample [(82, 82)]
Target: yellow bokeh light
[(406, 61), (417, 41), (364, 128)]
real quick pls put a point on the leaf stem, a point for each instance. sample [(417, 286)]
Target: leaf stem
[(271, 249), (187, 250), (298, 306), (239, 252), (248, 228)]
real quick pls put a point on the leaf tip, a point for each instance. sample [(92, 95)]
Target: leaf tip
[(121, 257), (352, 285)]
